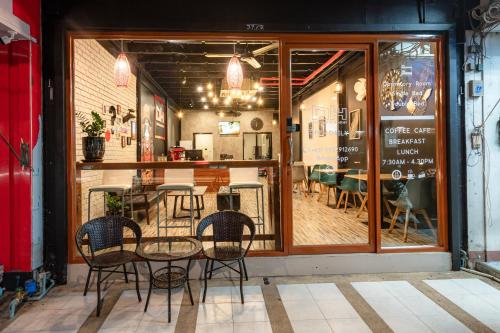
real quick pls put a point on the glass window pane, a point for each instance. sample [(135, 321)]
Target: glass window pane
[(330, 174), (408, 109), (180, 109)]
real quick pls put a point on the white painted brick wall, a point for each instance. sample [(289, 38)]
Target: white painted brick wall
[(94, 87)]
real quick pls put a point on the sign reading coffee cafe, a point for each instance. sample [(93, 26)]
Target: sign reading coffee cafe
[(407, 110)]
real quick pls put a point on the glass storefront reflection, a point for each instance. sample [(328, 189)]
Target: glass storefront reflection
[(407, 109)]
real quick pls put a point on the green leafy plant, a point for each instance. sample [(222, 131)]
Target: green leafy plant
[(93, 127), (114, 204)]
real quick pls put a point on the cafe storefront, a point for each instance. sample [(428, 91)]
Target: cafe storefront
[(345, 135)]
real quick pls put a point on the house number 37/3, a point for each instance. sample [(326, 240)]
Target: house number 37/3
[(255, 27)]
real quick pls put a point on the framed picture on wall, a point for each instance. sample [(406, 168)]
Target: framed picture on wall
[(311, 131), (322, 126), (354, 124), (133, 130), (160, 130), (159, 111)]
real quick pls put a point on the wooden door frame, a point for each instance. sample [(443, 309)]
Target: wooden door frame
[(243, 136), (194, 140), (283, 39), (370, 246)]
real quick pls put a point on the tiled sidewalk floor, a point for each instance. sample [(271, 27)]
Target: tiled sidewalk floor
[(433, 303)]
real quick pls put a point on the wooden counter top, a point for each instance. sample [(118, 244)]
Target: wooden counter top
[(174, 165)]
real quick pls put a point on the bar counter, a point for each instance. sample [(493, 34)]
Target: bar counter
[(176, 164)]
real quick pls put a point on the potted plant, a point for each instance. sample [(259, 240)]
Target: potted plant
[(93, 145), (114, 204)]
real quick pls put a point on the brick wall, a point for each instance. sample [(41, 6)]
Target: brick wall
[(94, 87)]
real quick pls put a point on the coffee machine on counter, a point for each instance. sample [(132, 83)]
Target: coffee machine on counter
[(177, 153)]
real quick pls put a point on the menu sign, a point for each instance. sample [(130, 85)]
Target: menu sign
[(407, 115)]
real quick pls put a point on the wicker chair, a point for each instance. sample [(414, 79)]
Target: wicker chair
[(227, 228), (105, 233)]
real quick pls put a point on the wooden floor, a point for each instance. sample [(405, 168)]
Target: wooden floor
[(314, 223)]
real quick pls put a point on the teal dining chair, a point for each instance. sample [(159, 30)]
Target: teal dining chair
[(349, 186), (415, 198), (314, 177), (328, 181)]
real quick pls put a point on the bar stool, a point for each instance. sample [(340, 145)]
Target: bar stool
[(248, 178), (118, 181), (176, 180)]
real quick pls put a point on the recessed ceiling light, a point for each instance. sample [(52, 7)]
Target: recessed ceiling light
[(249, 106), (180, 114), (254, 99), (215, 100), (203, 99), (184, 81), (221, 114), (199, 88), (260, 101), (256, 85), (227, 101), (209, 86), (261, 88), (205, 107), (210, 94)]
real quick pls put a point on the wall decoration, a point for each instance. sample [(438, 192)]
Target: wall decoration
[(124, 141), (354, 124), (256, 124), (159, 111), (159, 114), (112, 111), (118, 109), (394, 90), (107, 135), (133, 130), (322, 126), (311, 131), (360, 89), (124, 131), (129, 140), (104, 109), (129, 115)]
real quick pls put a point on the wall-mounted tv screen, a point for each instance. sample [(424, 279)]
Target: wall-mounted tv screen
[(229, 127)]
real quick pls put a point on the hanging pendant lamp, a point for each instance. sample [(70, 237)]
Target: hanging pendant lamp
[(234, 74), (122, 69)]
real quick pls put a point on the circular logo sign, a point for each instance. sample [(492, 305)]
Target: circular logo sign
[(396, 174)]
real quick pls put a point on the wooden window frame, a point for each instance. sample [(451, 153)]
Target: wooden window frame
[(373, 132)]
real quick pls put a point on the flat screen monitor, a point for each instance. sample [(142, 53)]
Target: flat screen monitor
[(229, 127)]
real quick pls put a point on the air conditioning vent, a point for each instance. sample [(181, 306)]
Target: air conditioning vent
[(11, 27)]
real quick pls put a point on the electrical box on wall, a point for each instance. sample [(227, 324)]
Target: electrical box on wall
[(476, 88)]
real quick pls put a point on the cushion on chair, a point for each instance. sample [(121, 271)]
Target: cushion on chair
[(248, 184), (175, 186), (224, 253), (114, 258), (110, 187)]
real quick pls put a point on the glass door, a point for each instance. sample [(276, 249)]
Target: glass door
[(330, 171)]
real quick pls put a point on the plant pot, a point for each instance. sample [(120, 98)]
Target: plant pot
[(93, 148)]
